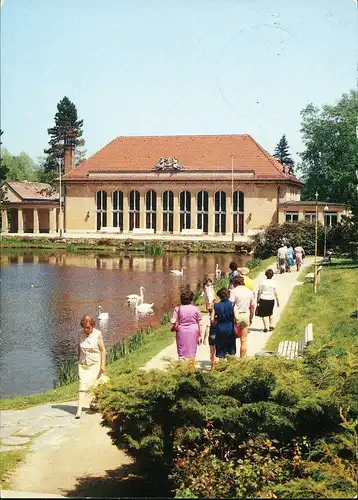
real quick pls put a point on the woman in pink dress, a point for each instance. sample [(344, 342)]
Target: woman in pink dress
[(187, 317)]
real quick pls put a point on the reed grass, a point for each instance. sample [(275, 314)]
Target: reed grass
[(153, 249), (166, 318)]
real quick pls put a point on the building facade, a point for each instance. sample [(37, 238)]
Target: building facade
[(30, 207), (328, 214), (177, 185)]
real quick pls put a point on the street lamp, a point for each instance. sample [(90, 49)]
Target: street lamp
[(326, 209), (232, 199), (315, 248), (60, 221)]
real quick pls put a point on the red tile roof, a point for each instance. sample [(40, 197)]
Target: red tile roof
[(194, 152), (29, 190)]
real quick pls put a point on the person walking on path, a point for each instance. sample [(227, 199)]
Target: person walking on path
[(266, 297), (223, 315), (299, 255), (290, 261), (209, 328), (209, 294), (282, 258), (244, 301), (233, 273), (91, 359), (244, 271), (187, 318)]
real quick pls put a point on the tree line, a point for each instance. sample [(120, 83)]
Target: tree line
[(328, 164)]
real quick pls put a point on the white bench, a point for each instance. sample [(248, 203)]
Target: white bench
[(290, 350), (192, 232), (310, 276), (105, 229), (142, 230)]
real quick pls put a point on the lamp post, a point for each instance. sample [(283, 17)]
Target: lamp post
[(60, 222), (232, 198), (326, 209), (315, 248)]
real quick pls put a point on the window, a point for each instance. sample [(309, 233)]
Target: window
[(117, 209), (134, 209), (310, 217), (202, 205), (220, 212), (331, 219), (168, 211), (101, 209), (238, 212), (151, 210), (291, 216), (185, 210)]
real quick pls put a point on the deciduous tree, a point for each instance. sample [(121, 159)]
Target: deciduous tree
[(330, 159)]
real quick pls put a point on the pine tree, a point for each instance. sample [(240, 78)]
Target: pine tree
[(282, 155), (66, 132)]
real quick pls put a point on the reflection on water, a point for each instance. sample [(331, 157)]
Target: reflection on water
[(45, 295)]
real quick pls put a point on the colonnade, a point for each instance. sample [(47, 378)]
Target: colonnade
[(19, 222)]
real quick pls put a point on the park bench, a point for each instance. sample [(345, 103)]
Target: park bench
[(105, 229), (192, 232), (142, 230), (290, 350), (310, 276), (327, 259)]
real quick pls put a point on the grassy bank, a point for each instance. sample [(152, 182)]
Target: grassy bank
[(151, 247), (9, 461), (330, 309)]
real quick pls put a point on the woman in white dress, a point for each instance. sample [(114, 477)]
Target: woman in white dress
[(266, 297), (91, 359)]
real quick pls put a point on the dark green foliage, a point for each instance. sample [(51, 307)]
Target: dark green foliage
[(343, 237), (296, 233), (66, 133), (330, 159), (282, 155), (153, 249)]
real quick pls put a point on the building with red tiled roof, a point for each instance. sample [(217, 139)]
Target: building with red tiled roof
[(189, 184), (30, 207)]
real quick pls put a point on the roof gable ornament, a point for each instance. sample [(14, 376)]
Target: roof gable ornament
[(168, 164)]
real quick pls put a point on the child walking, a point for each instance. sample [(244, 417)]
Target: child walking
[(210, 333)]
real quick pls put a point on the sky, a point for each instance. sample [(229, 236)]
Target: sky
[(172, 67)]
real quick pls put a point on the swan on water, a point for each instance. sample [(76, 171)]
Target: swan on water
[(144, 308), (134, 296), (178, 273), (102, 315), (217, 272)]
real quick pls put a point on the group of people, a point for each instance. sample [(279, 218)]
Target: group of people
[(288, 257), (227, 318)]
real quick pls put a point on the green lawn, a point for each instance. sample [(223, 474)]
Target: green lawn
[(330, 310)]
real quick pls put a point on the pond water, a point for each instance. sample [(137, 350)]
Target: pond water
[(40, 323)]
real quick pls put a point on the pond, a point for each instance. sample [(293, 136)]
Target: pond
[(45, 295)]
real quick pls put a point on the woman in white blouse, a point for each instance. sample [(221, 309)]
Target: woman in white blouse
[(266, 297)]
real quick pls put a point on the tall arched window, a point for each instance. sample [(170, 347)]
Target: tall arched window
[(117, 209), (134, 210), (203, 210), (238, 212), (151, 210), (185, 210), (168, 211), (101, 209), (220, 212)]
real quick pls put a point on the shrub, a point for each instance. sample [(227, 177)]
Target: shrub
[(343, 237), (301, 233)]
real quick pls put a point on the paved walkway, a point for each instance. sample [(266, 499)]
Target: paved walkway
[(63, 450), (256, 339)]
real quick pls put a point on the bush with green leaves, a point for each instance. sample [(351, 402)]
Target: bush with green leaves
[(343, 237), (301, 233)]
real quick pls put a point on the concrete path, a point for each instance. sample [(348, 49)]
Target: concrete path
[(256, 339), (63, 450)]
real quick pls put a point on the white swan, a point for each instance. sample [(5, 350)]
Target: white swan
[(134, 296), (144, 308), (102, 315), (217, 272), (178, 273)]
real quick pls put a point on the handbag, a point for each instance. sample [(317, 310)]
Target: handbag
[(175, 326), (257, 311), (102, 379)]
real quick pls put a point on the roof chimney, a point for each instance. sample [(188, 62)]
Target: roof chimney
[(69, 155)]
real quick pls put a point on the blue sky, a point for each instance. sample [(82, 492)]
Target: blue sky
[(167, 67)]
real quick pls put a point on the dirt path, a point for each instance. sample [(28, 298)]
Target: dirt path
[(66, 453)]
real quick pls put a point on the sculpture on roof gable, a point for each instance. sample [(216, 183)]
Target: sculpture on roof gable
[(168, 164)]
